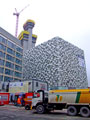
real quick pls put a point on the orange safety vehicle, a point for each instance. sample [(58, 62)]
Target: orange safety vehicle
[(26, 99)]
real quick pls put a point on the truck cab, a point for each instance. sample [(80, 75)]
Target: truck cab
[(39, 101)]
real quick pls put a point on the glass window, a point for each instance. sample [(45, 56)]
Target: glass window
[(10, 65), (0, 39), (19, 49), (33, 40), (16, 79), (17, 74), (36, 84), (8, 78), (10, 44), (2, 62), (3, 40), (2, 47), (8, 72), (1, 77), (10, 51), (4, 97), (2, 54), (8, 57), (18, 61), (18, 68), (1, 70), (18, 55)]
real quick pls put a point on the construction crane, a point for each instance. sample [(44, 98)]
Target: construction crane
[(17, 18)]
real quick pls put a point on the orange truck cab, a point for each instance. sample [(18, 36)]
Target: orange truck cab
[(28, 99), (23, 99)]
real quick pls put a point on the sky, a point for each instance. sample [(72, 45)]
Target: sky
[(68, 19)]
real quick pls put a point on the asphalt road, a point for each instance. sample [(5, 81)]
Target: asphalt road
[(19, 113)]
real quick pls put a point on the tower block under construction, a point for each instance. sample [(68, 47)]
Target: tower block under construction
[(28, 39)]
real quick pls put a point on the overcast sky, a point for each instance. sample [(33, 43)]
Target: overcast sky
[(68, 19)]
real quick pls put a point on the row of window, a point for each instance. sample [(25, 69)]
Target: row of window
[(10, 65), (10, 72), (3, 40), (10, 44), (17, 74), (9, 57), (8, 78), (10, 51), (18, 61), (18, 55), (18, 68), (13, 53)]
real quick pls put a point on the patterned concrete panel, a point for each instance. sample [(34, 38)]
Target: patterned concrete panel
[(57, 62)]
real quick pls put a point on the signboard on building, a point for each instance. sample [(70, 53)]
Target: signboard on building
[(15, 87)]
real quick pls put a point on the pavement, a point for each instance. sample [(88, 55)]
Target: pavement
[(10, 112)]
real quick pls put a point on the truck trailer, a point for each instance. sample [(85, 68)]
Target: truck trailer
[(75, 101), (27, 86)]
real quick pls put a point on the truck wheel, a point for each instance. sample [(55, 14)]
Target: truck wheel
[(40, 109), (27, 107), (72, 111), (85, 111)]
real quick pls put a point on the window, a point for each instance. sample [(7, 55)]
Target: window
[(2, 62), (18, 55), (0, 39), (10, 65), (8, 78), (8, 57), (10, 51), (19, 49), (1, 70), (22, 42), (36, 84), (18, 68), (2, 47), (33, 40), (18, 61), (8, 72), (3, 97), (17, 74), (2, 54), (11, 45), (3, 40), (16, 79), (1, 77)]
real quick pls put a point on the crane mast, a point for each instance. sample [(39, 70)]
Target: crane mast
[(17, 19)]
